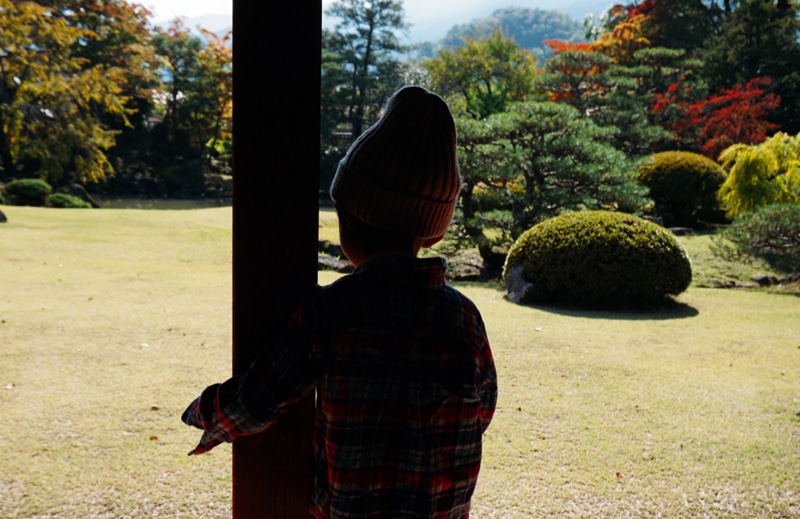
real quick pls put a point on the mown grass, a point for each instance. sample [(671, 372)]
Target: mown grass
[(111, 321)]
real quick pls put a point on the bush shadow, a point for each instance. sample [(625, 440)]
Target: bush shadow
[(670, 309)]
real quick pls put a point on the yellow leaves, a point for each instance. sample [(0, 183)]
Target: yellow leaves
[(50, 106), (761, 174), (625, 39)]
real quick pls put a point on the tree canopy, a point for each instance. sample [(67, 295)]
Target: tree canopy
[(92, 93), (52, 97), (484, 74), (761, 174)]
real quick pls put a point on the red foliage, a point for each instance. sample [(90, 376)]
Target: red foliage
[(646, 8), (733, 116), (629, 11), (559, 46)]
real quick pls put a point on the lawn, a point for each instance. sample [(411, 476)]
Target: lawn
[(111, 321)]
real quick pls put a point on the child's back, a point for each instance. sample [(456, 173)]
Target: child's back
[(407, 389), (402, 367)]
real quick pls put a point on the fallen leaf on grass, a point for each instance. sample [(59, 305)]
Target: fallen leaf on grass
[(153, 437)]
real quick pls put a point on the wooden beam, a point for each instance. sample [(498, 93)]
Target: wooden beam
[(276, 53)]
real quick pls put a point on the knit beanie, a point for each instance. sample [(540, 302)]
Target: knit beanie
[(401, 175)]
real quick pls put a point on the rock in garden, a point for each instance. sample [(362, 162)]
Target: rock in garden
[(681, 231), (327, 262), (765, 280), (518, 286)]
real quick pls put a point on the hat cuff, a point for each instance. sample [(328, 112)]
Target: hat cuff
[(396, 212)]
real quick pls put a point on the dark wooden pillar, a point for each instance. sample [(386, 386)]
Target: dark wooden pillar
[(276, 53)]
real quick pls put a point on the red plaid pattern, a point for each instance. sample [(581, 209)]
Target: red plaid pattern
[(405, 383)]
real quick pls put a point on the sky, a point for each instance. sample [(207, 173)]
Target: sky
[(430, 19), (169, 9)]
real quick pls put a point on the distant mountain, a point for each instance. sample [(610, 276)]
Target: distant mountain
[(528, 27), (431, 20)]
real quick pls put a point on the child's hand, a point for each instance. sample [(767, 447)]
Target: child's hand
[(207, 442), (193, 416)]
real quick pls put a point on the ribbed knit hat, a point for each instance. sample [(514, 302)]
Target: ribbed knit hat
[(401, 175)]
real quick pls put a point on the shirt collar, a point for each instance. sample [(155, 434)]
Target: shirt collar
[(429, 271)]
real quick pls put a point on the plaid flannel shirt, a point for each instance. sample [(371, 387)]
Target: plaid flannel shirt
[(405, 383)]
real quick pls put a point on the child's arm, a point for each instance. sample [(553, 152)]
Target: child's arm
[(251, 402), (488, 387)]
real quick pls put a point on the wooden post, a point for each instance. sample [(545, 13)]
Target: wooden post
[(276, 55)]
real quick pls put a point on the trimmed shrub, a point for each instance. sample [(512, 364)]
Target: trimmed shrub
[(601, 260), (64, 200), (684, 187), (28, 191)]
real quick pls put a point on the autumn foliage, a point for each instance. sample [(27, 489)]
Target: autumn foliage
[(559, 46), (734, 115)]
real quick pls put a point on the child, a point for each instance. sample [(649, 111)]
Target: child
[(400, 361)]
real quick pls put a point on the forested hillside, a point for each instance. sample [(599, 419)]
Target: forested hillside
[(529, 28)]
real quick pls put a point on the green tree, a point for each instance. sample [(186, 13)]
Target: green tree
[(535, 161), (366, 42), (759, 39), (771, 232), (51, 98), (195, 102), (676, 24), (613, 96), (119, 38), (484, 75)]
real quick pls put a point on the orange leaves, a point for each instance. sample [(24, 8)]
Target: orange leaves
[(559, 46), (624, 40)]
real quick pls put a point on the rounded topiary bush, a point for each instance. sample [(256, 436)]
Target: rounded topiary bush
[(28, 191), (64, 200), (684, 187), (599, 259)]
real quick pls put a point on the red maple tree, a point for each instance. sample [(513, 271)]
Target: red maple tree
[(737, 115)]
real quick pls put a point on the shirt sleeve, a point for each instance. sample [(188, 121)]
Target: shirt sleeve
[(487, 390), (253, 401)]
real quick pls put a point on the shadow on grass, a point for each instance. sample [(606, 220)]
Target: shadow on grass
[(668, 310)]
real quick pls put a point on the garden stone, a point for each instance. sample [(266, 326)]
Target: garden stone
[(518, 286), (658, 220), (328, 262), (765, 280), (327, 247), (79, 191), (681, 231)]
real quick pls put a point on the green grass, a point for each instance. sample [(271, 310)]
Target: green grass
[(111, 321)]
